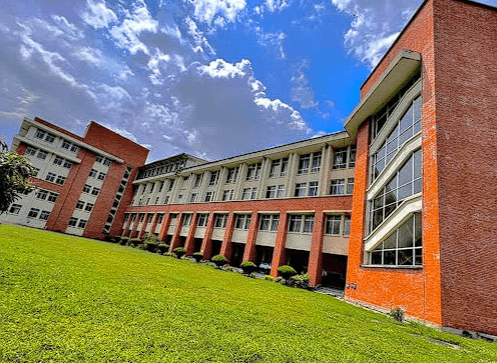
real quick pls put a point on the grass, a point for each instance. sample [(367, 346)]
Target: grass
[(66, 299)]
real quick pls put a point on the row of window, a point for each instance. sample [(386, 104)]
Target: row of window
[(96, 174), (46, 195), (48, 137), (168, 168), (79, 223), (87, 207), (32, 151), (88, 189), (33, 212), (54, 178), (102, 160)]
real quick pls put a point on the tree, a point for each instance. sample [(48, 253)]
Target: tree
[(15, 170)]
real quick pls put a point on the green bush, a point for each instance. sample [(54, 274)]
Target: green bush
[(219, 260), (268, 278), (124, 241), (301, 281), (162, 248), (198, 256), (248, 267), (279, 280), (133, 242), (179, 252), (169, 254), (287, 271), (116, 239), (397, 314), (151, 246)]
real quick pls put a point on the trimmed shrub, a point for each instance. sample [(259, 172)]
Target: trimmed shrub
[(116, 239), (300, 281), (133, 242), (279, 280), (151, 246), (198, 256), (219, 260), (248, 267), (179, 252), (124, 241), (397, 314), (169, 254), (287, 271), (268, 278), (162, 248)]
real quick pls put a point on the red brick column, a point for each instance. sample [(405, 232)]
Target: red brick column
[(126, 225), (207, 241), (190, 239), (315, 265), (226, 247), (279, 254), (154, 223), (175, 242), (165, 227), (250, 250), (135, 226), (141, 233)]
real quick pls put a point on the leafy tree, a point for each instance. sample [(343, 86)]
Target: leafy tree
[(15, 170)]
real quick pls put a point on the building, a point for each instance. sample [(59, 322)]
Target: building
[(84, 183), (398, 208)]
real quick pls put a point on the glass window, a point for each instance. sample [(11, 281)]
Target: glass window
[(193, 198), (308, 224), (333, 223), (187, 220), (221, 220), (313, 188), (42, 154), (337, 187), (340, 158), (60, 180), (304, 162), (271, 191), (198, 180), (82, 223), (50, 177), (39, 134), (253, 171), (214, 177), (73, 222), (31, 150), (300, 189), (80, 204), (33, 213), (295, 223), (232, 175), (209, 196), (42, 194), (52, 197), (93, 173), (350, 186), (15, 208), (95, 191), (44, 215), (50, 138)]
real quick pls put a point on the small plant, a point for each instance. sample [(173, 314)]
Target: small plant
[(397, 314), (301, 281), (169, 254), (248, 267), (133, 242), (116, 239), (287, 271), (253, 275), (198, 256), (268, 278), (219, 260), (124, 241), (179, 252), (279, 280), (162, 248)]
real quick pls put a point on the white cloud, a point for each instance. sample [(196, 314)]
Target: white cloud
[(219, 68), (272, 41), (302, 92), (276, 5), (208, 10), (69, 29), (201, 44), (88, 55), (23, 106), (126, 35), (112, 97), (98, 15)]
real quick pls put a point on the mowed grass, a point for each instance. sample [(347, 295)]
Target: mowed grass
[(65, 299)]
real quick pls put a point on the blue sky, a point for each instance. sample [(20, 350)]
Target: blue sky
[(213, 78)]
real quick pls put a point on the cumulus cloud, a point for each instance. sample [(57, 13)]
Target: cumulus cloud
[(200, 42), (88, 55), (302, 92), (272, 41), (276, 5), (98, 15), (219, 11)]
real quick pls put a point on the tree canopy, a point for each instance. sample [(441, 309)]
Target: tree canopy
[(15, 170)]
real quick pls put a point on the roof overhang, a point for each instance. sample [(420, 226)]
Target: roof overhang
[(404, 65)]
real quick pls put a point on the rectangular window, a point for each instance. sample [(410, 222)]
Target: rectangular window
[(15, 208), (346, 225), (152, 188), (228, 194), (313, 188), (209, 196), (300, 189), (74, 148), (93, 173), (304, 162), (202, 220), (31, 150), (295, 223), (242, 221), (142, 217), (308, 224), (50, 177), (39, 134), (253, 171), (232, 175), (193, 198), (280, 193), (171, 184), (269, 222), (42, 194), (333, 223), (89, 207), (66, 144), (198, 180), (316, 162), (214, 177), (82, 223), (42, 154), (107, 162), (99, 159), (60, 180), (80, 204), (350, 186), (44, 215), (58, 160), (340, 158), (33, 213), (166, 199), (278, 168), (271, 191), (50, 138), (101, 176), (337, 187), (73, 222), (246, 193), (221, 220), (161, 185), (87, 188), (52, 197), (67, 164), (95, 191), (160, 218), (353, 152)]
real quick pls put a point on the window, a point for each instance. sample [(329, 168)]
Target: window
[(220, 220), (232, 175), (171, 184), (198, 180), (33, 213), (95, 191), (353, 152), (107, 162), (308, 224), (242, 221), (301, 223), (313, 188), (58, 160), (82, 223), (193, 198), (42, 194), (295, 223), (269, 222), (152, 188), (249, 193), (278, 168), (408, 126), (300, 189), (160, 218), (228, 194), (209, 196), (333, 224), (93, 173), (304, 162), (340, 158), (15, 208), (66, 144), (60, 180), (67, 164), (31, 150), (337, 187), (50, 177), (280, 193), (89, 207), (316, 162), (50, 138), (346, 225), (42, 154), (350, 186), (254, 171), (101, 176), (214, 177), (99, 159), (161, 185), (73, 222), (271, 191), (52, 197), (150, 216), (87, 188), (80, 204), (74, 148), (39, 134), (402, 248), (142, 217), (44, 215), (405, 182), (202, 220), (166, 199), (187, 220)]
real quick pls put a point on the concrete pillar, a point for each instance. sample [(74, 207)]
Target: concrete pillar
[(315, 266), (135, 226), (220, 182), (325, 170), (263, 178), (226, 247), (207, 241), (242, 174), (190, 239), (279, 253), (250, 248), (293, 160)]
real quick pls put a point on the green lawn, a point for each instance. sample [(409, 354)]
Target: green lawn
[(65, 299)]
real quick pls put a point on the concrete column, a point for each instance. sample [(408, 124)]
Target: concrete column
[(175, 241), (293, 159), (250, 248), (190, 239), (189, 188), (220, 183), (207, 241), (226, 247), (264, 176), (176, 187), (165, 227), (279, 253), (315, 266), (127, 224), (325, 170), (135, 226), (242, 174)]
